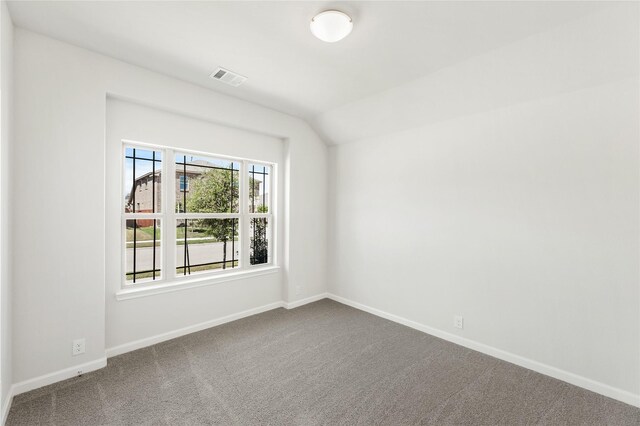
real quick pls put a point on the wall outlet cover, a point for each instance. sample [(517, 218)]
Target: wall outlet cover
[(458, 321), (78, 347)]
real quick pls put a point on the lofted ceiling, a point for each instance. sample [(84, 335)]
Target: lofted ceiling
[(289, 70)]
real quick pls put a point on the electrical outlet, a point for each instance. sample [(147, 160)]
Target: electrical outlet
[(78, 347), (458, 321)]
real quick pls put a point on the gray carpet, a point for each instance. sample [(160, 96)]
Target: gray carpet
[(323, 363)]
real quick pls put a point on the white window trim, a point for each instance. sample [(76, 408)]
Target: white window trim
[(170, 279), (200, 281)]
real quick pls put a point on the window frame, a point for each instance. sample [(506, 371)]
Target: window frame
[(268, 215), (190, 216), (169, 218)]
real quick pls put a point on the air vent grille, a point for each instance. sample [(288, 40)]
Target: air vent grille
[(228, 77)]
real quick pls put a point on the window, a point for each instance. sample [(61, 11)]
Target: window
[(142, 215), (259, 189), (184, 183), (207, 224), (214, 216)]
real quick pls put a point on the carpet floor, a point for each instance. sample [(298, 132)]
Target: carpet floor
[(323, 363)]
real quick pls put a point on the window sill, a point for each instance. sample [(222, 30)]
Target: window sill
[(150, 290)]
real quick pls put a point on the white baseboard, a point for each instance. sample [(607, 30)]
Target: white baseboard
[(58, 376), (297, 303), (6, 405), (68, 373), (148, 341), (565, 376), (574, 379)]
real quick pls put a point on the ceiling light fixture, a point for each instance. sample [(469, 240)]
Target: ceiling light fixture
[(331, 25)]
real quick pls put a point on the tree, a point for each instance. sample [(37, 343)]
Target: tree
[(216, 191), (259, 243)]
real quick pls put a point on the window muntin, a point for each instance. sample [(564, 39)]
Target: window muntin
[(221, 220)]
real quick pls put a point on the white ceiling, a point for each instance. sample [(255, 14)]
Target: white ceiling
[(270, 42)]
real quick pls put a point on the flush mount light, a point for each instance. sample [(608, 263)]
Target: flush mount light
[(331, 25)]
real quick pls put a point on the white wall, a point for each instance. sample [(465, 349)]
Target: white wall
[(582, 53), (136, 319), (6, 109), (59, 259), (523, 219)]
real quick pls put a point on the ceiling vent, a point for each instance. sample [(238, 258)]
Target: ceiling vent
[(228, 77)]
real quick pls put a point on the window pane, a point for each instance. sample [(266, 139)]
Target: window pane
[(259, 188), (206, 185), (206, 244), (259, 234), (184, 183), (143, 257), (142, 180)]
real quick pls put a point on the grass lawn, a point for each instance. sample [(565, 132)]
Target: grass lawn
[(191, 233), (179, 271), (143, 233), (144, 236)]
